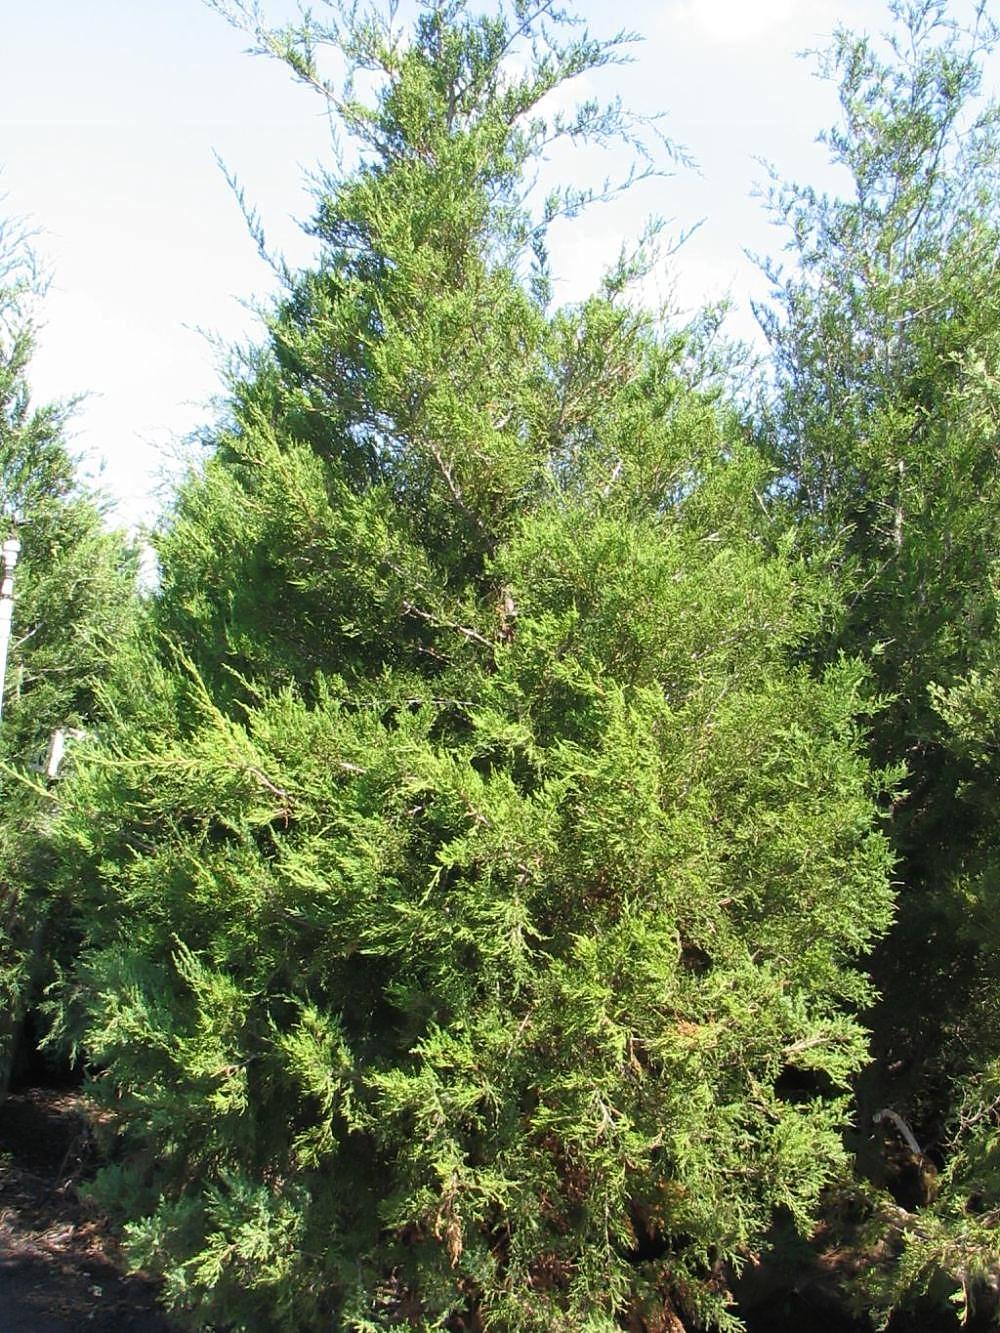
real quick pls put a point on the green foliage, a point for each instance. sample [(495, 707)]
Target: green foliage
[(472, 892), (886, 345), (72, 597), (471, 1004)]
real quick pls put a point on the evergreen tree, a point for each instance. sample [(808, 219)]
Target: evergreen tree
[(886, 346), (472, 890), (73, 588)]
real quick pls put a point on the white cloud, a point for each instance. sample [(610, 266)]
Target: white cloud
[(733, 22)]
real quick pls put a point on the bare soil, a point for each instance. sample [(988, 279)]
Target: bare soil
[(61, 1268)]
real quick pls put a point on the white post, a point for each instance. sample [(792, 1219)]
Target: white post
[(11, 550)]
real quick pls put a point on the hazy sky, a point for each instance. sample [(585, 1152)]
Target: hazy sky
[(111, 113)]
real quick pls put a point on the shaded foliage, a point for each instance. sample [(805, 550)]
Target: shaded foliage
[(73, 586), (886, 348)]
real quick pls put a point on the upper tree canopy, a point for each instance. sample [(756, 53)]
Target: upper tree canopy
[(416, 364), (475, 888), (69, 583), (884, 339)]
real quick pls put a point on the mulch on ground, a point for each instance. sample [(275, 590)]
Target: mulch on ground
[(61, 1268)]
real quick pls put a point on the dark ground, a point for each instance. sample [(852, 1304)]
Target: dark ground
[(61, 1270)]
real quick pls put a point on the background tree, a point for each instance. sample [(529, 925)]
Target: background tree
[(472, 890), (886, 354), (73, 589)]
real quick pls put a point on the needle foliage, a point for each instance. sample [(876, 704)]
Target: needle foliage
[(887, 355), (73, 586), (473, 889)]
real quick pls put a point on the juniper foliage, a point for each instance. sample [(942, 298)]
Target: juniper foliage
[(885, 342), (473, 889), (73, 585)]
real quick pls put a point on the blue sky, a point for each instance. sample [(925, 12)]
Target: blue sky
[(111, 115)]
